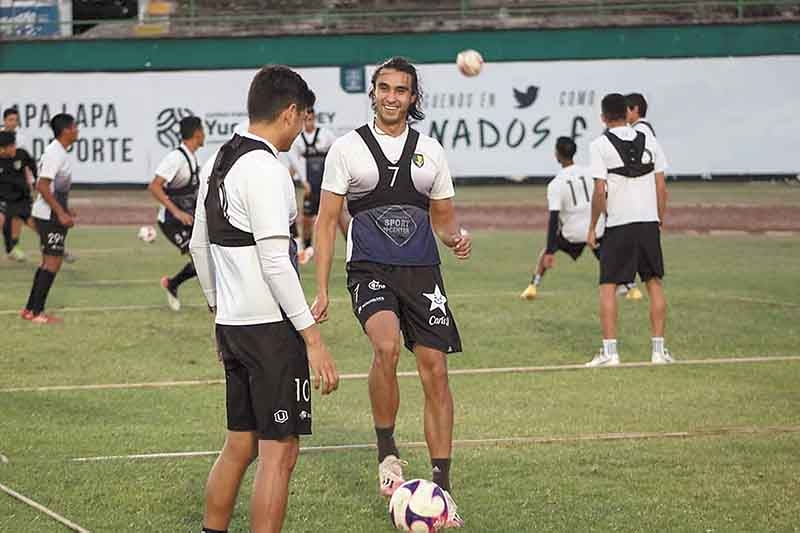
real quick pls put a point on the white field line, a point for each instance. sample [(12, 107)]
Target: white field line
[(42, 509), (451, 372), (496, 441)]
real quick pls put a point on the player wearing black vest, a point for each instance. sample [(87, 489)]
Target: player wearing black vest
[(17, 171), (266, 335), (399, 191), (175, 187), (628, 167)]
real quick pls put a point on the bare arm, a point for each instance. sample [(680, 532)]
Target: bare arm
[(443, 219), (156, 188), (598, 208), (330, 207), (43, 188), (661, 195)]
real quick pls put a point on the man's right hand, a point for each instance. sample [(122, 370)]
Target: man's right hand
[(591, 239), (65, 219), (323, 369), (319, 309), (185, 218)]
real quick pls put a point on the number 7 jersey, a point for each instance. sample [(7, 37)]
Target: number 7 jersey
[(570, 193)]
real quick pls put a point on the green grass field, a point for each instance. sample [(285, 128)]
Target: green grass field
[(730, 297)]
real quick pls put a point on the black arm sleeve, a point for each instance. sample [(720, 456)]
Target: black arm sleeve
[(552, 232)]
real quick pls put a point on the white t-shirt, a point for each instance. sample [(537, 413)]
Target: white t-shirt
[(351, 170), (56, 166), (176, 171), (297, 151), (629, 199), (644, 127), (570, 193), (261, 201)]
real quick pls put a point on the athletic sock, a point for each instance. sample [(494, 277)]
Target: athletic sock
[(441, 472), (386, 444), (187, 272), (11, 244), (7, 235), (306, 243), (209, 530), (610, 347), (537, 279), (42, 281), (658, 344)]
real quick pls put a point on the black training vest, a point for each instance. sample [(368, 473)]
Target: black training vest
[(185, 197), (13, 182), (637, 161), (649, 126), (315, 162), (220, 231), (391, 224)]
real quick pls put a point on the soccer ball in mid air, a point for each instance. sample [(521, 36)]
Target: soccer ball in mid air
[(147, 233), (418, 505), (470, 62)]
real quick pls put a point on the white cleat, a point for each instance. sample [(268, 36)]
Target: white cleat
[(603, 359), (453, 518), (172, 297), (661, 358), (390, 475)]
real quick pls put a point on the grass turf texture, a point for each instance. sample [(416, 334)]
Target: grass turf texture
[(729, 296)]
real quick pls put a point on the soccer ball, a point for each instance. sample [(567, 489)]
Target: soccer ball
[(418, 505), (147, 233), (470, 62)]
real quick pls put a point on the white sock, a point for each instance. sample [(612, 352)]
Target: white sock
[(610, 347), (658, 344), (537, 280)]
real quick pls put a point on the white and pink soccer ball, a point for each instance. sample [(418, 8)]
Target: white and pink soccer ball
[(147, 233), (418, 505), (470, 62)]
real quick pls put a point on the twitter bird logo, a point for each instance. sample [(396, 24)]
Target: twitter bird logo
[(527, 98)]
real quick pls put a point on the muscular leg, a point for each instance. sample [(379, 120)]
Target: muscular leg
[(240, 448), (658, 306), (608, 310), (383, 330), (432, 368), (276, 461)]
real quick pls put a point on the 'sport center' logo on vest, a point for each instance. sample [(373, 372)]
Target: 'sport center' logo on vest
[(397, 224)]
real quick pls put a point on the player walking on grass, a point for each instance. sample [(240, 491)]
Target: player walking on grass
[(399, 191), (12, 229), (628, 167), (16, 180), (265, 333), (175, 187), (52, 214)]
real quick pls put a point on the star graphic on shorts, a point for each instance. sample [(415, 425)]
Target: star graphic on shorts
[(437, 299)]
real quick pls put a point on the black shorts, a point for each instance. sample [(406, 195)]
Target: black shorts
[(52, 237), (16, 208), (631, 249), (574, 249), (177, 233), (414, 293), (267, 387)]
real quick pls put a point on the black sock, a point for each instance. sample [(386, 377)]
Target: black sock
[(187, 272), (7, 235), (386, 444), (209, 530), (441, 472), (293, 230), (42, 281), (306, 243)]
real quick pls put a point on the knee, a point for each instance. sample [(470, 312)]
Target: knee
[(387, 354), (434, 373), (240, 451), (281, 458)]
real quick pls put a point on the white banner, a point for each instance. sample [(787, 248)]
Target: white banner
[(713, 116)]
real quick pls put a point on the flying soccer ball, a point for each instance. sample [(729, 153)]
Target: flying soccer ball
[(470, 62), (418, 505), (147, 233)]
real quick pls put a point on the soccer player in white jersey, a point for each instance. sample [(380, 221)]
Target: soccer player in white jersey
[(637, 112), (569, 197), (307, 159), (175, 187), (266, 334), (399, 192), (630, 188), (52, 214)]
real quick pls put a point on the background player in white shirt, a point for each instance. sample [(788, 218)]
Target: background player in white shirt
[(52, 214), (569, 197), (175, 187), (399, 191), (266, 335), (636, 112), (630, 189)]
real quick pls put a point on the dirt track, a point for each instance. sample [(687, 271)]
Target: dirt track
[(700, 219)]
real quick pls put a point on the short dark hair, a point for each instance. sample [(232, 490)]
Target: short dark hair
[(10, 111), (273, 89), (637, 100), (189, 125), (565, 147), (7, 138), (613, 106), (403, 65), (61, 122)]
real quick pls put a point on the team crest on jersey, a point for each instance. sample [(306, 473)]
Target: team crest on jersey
[(418, 160), (17, 164)]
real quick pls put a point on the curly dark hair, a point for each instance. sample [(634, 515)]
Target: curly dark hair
[(403, 65)]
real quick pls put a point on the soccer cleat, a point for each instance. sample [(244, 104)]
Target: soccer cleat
[(305, 255), (26, 314), (172, 295), (661, 358), (529, 293), (69, 258), (17, 254), (390, 475), (634, 294), (453, 518), (42, 318), (603, 359)]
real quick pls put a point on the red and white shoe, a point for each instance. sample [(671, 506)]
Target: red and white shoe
[(453, 518), (390, 475), (42, 318), (26, 314), (172, 295)]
